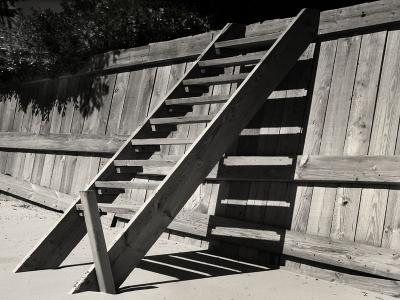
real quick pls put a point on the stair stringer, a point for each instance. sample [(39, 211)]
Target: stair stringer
[(157, 212)]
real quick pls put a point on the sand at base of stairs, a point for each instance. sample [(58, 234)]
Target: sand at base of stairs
[(171, 270)]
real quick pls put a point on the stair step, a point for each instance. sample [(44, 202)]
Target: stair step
[(182, 120), (162, 141), (145, 163), (112, 208), (220, 79), (248, 42), (232, 61), (198, 100), (145, 170), (126, 185)]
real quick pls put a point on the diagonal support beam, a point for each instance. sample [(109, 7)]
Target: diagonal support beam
[(159, 211)]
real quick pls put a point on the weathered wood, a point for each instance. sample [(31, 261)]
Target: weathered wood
[(347, 203), (249, 42), (144, 98), (35, 193), (240, 60), (348, 255), (340, 21), (182, 120), (360, 17), (126, 185), (198, 100), (60, 160), (391, 236), (112, 208), (95, 123), (367, 169), (16, 126), (86, 143), (8, 110), (166, 202), (334, 131), (167, 162), (42, 163), (315, 126), (76, 129), (101, 260), (220, 79), (67, 233), (258, 161), (162, 141), (182, 130), (31, 125), (373, 203)]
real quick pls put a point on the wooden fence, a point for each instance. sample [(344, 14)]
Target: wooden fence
[(341, 99)]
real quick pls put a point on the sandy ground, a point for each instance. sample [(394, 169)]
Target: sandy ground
[(171, 270)]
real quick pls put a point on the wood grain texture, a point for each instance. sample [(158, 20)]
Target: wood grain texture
[(60, 160), (349, 255), (347, 201), (76, 128), (383, 141), (319, 102), (35, 193), (221, 132), (16, 126), (95, 123), (94, 229), (364, 168), (65, 235), (8, 111), (55, 127), (334, 131)]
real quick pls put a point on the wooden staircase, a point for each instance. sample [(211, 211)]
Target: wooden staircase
[(264, 61)]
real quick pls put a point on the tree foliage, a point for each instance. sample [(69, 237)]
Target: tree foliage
[(7, 12), (49, 43)]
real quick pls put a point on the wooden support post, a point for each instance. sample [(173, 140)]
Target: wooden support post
[(97, 242)]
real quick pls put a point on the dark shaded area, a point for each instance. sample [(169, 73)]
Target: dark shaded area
[(190, 266), (282, 113), (86, 92), (193, 265), (252, 11)]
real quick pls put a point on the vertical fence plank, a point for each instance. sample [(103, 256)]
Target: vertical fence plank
[(383, 141), (359, 129), (334, 131)]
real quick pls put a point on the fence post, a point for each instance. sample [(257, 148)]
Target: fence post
[(97, 242)]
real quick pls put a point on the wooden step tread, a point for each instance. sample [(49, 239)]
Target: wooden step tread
[(112, 208), (145, 163), (248, 42), (162, 141), (145, 170), (232, 61), (220, 79), (182, 120), (126, 185), (198, 100)]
